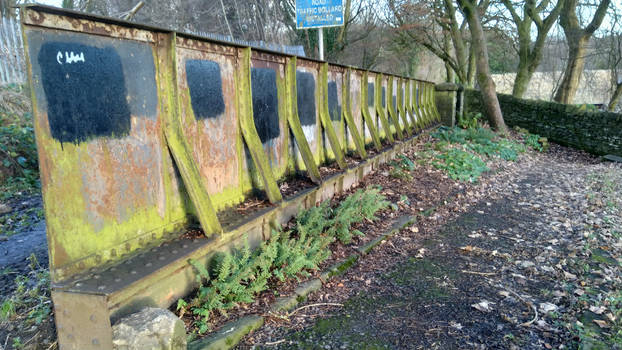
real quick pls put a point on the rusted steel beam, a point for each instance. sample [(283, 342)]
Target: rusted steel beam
[(347, 114), (369, 120), (325, 117), (177, 143), (392, 112), (401, 95), (294, 123), (247, 126), (429, 103), (421, 112), (412, 104), (382, 115)]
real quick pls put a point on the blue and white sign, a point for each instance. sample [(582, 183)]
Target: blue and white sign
[(319, 13)]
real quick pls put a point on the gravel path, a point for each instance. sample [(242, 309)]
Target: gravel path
[(529, 258)]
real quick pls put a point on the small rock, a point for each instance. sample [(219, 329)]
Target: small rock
[(483, 306), (527, 264), (546, 268), (548, 307), (151, 328), (597, 309), (4, 209), (570, 276)]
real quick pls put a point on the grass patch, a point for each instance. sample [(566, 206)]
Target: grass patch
[(29, 305)]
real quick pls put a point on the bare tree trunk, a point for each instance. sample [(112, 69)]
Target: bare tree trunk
[(470, 81), (530, 53), (572, 74), (577, 38), (615, 98), (484, 79), (521, 82), (450, 75)]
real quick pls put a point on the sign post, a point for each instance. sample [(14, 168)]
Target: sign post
[(319, 14)]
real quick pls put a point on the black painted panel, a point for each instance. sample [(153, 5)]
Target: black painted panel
[(334, 108), (384, 97), (265, 103), (305, 88), (205, 84), (370, 94), (85, 90), (395, 104), (417, 95)]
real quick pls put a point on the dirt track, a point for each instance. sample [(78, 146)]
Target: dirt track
[(526, 259)]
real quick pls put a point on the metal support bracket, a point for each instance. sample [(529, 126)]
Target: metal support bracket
[(382, 114), (400, 106), (347, 114), (247, 126), (327, 124), (294, 123), (177, 143), (368, 118), (392, 111)]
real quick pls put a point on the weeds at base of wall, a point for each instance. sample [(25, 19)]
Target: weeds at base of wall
[(462, 153), (235, 278), (26, 313)]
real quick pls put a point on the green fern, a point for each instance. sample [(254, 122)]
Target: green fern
[(362, 205), (237, 277)]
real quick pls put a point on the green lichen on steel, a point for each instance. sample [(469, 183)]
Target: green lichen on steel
[(229, 195), (401, 86), (368, 120), (382, 115), (348, 119), (391, 111), (285, 168), (308, 161), (76, 242), (325, 120), (181, 150), (245, 115)]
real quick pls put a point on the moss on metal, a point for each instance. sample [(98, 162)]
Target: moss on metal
[(400, 105), (247, 126), (393, 113), (382, 115), (369, 120), (347, 114), (294, 123), (327, 124)]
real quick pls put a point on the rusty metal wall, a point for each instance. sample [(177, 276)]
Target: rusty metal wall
[(335, 89), (109, 183), (355, 106), (308, 103), (206, 73)]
